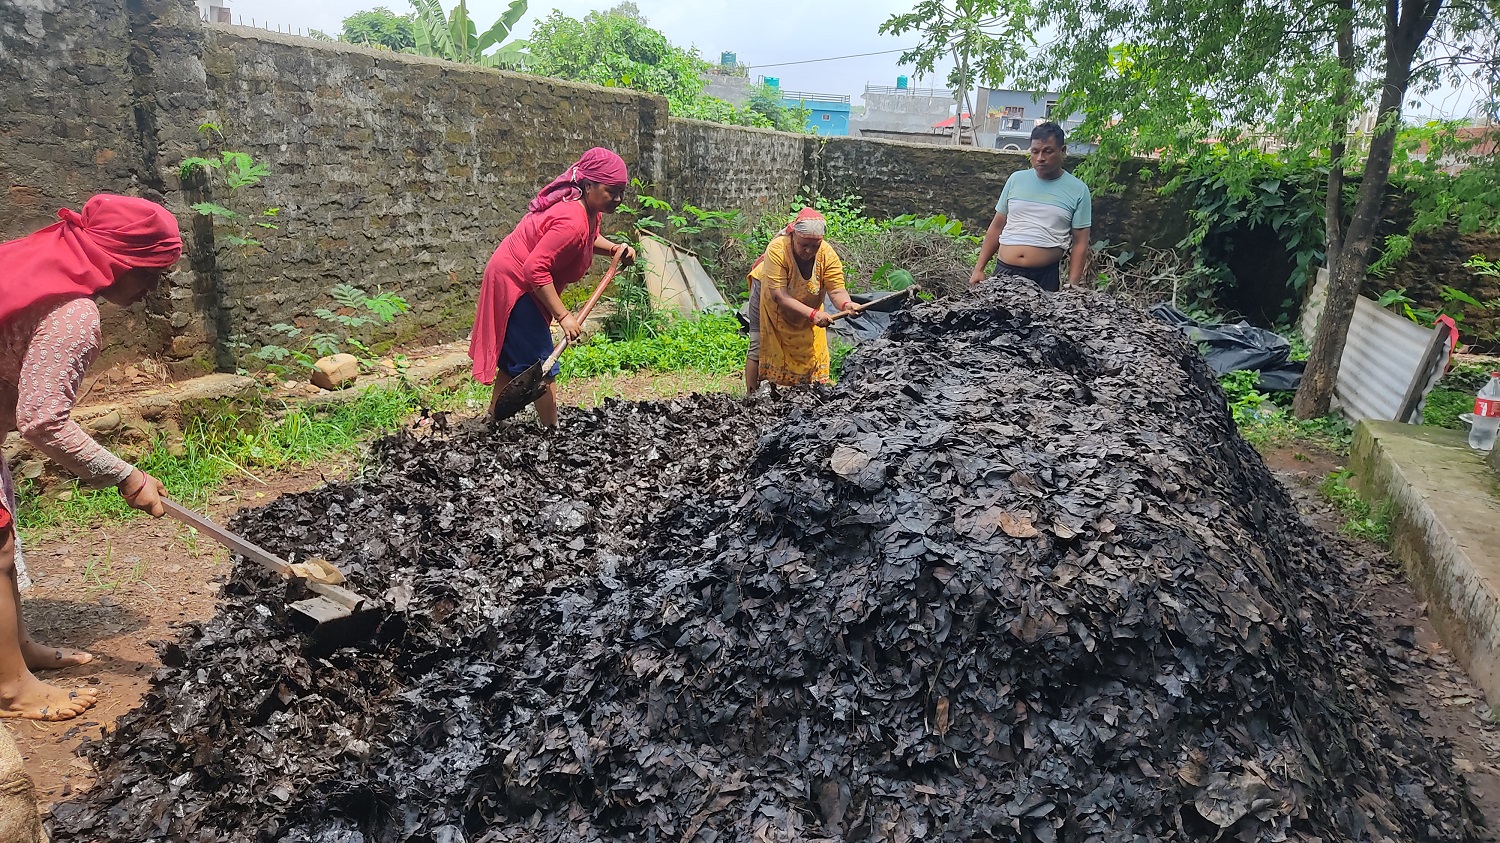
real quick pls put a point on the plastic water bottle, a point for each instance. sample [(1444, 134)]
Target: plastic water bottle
[(1486, 415)]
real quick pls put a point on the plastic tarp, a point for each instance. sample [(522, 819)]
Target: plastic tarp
[(856, 329), (1238, 347)]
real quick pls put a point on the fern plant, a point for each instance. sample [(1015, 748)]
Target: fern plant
[(235, 171), (356, 310)]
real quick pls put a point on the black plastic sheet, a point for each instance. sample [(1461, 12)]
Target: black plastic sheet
[(1239, 347), (861, 327), (1016, 577)]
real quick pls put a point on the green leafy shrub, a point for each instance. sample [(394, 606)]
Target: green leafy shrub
[(357, 311), (233, 173), (711, 343), (1266, 423)]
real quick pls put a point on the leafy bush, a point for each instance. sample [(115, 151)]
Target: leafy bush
[(1263, 422), (357, 310), (709, 343)]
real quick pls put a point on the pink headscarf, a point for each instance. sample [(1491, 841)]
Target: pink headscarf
[(598, 165), (808, 222), (84, 253)]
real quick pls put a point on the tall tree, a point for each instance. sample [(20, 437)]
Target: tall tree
[(616, 48), (1165, 75), (981, 36), (381, 27), (455, 38)]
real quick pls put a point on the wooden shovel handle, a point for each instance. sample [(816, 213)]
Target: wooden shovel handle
[(861, 308), (609, 276)]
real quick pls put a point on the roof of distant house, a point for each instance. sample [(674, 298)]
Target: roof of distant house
[(948, 123)]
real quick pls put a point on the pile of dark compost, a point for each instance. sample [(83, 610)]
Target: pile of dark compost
[(1015, 578)]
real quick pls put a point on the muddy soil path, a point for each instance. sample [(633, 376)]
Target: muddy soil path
[(115, 589), (1435, 690)]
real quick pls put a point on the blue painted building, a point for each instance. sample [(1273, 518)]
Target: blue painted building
[(828, 114)]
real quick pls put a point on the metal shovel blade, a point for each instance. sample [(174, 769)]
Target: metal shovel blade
[(522, 390), (328, 601)]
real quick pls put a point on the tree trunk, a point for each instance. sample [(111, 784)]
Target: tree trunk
[(1333, 210), (1404, 34)]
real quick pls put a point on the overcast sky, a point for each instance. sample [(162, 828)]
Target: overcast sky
[(762, 34)]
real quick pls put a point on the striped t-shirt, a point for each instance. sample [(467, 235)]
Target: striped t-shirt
[(1043, 212)]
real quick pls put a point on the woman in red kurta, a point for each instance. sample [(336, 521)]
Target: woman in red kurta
[(117, 249), (550, 248)]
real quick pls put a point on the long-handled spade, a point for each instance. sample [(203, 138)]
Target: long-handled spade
[(329, 601), (531, 384)]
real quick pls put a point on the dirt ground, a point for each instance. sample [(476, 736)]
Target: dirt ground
[(115, 589)]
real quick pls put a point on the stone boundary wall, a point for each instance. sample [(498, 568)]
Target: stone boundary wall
[(389, 170)]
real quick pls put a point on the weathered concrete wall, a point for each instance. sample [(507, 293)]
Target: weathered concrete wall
[(390, 171), (68, 127), (716, 167), (905, 178), (66, 121)]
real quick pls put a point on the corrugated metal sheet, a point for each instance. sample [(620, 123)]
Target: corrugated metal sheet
[(676, 279), (1381, 357)]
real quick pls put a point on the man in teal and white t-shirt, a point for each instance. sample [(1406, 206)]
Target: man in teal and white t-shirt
[(1043, 214)]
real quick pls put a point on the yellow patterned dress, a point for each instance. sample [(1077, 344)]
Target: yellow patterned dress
[(792, 349)]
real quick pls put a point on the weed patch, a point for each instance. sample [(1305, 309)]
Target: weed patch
[(709, 343), (225, 444), (1362, 521), (1265, 421)]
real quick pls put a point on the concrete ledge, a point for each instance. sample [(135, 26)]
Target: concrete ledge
[(1445, 531)]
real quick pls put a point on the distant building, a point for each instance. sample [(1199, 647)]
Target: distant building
[(214, 11), (828, 114), (728, 80), (902, 112), (1007, 117)]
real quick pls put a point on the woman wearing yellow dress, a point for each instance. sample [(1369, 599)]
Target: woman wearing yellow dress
[(787, 286)]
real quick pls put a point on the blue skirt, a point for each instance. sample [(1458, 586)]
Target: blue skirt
[(528, 339)]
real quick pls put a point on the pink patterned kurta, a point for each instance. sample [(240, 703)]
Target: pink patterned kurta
[(44, 351)]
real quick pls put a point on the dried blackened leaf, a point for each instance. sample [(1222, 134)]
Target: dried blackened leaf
[(608, 634)]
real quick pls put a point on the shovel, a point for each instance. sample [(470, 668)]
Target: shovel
[(531, 384), (330, 601), (861, 308)]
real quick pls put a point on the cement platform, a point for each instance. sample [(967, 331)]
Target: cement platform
[(1445, 531)]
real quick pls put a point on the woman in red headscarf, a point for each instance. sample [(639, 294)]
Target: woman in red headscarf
[(550, 248), (117, 249)]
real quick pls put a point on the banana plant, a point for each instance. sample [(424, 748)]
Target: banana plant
[(454, 36)]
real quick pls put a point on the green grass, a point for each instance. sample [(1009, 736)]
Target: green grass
[(1372, 524), (1266, 420), (1454, 396), (215, 449), (709, 343)]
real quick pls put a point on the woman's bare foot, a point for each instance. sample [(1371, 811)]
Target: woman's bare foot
[(44, 657), (32, 699)]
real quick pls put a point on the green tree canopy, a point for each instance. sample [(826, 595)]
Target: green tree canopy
[(1192, 80), (381, 27), (616, 48)]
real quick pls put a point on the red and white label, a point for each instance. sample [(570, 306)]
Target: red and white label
[(1487, 407)]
